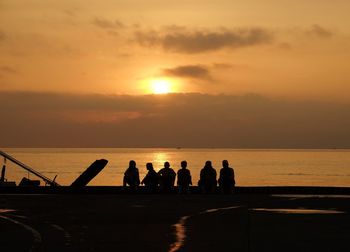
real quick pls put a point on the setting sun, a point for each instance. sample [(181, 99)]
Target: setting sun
[(161, 86)]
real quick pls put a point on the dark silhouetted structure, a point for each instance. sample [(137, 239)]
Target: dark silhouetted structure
[(166, 178), (151, 179), (90, 173), (131, 175), (29, 182), (207, 181), (184, 179), (227, 178), (3, 171)]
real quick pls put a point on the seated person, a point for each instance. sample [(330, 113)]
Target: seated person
[(131, 175), (207, 181), (166, 178), (227, 178), (184, 179), (151, 179)]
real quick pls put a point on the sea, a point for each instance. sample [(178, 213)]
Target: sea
[(253, 167)]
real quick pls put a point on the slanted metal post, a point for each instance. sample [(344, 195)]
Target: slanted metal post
[(29, 169), (3, 170)]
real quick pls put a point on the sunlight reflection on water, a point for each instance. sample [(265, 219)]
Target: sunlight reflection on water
[(297, 211), (252, 167), (6, 210), (180, 228)]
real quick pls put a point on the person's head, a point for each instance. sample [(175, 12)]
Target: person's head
[(149, 166), (208, 164), (184, 164), (224, 163), (132, 164), (166, 164)]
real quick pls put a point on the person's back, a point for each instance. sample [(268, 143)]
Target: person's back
[(207, 181), (227, 178), (151, 179), (131, 175), (166, 178), (184, 179)]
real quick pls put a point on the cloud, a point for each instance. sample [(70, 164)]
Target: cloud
[(199, 72), (107, 24), (2, 36), (186, 120), (189, 71), (70, 12), (284, 46), (319, 31), (223, 66), (8, 69), (182, 40), (35, 46)]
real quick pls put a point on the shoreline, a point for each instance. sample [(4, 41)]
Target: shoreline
[(325, 190)]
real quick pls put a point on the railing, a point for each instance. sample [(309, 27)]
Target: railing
[(29, 169)]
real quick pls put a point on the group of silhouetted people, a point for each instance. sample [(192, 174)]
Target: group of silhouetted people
[(164, 179)]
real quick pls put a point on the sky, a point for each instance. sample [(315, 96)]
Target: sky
[(185, 73)]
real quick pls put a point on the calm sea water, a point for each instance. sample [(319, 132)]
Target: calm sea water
[(252, 167)]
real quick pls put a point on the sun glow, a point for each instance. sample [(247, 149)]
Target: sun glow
[(161, 86)]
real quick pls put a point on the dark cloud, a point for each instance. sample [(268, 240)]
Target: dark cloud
[(189, 71), (2, 36), (319, 31), (284, 46), (223, 66), (181, 40), (186, 120), (70, 12), (8, 69), (107, 24), (199, 72)]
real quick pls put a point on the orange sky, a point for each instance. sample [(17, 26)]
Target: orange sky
[(245, 74), (298, 49)]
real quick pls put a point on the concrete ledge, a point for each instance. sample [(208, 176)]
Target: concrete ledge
[(193, 189)]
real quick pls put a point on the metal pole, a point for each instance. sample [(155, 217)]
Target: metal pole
[(29, 169)]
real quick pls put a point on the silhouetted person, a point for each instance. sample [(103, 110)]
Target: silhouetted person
[(207, 181), (151, 179), (227, 178), (166, 178), (131, 175), (184, 179)]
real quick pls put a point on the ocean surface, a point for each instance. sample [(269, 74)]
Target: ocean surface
[(252, 167)]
